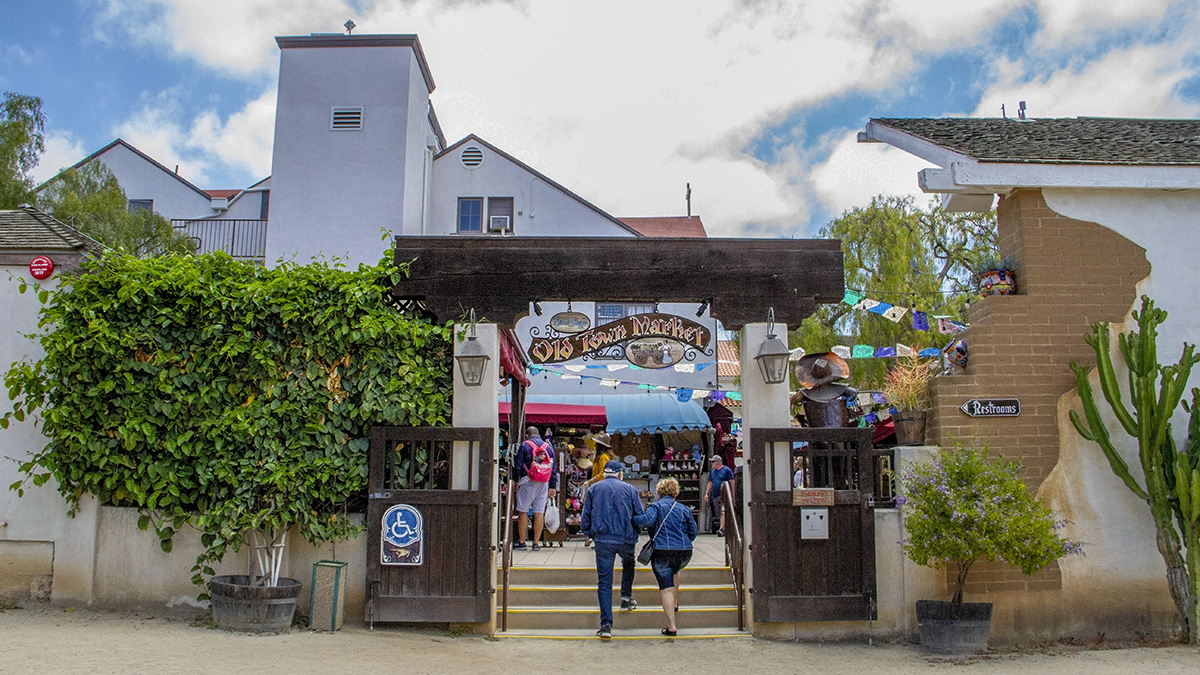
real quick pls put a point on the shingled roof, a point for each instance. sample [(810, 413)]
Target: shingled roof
[(28, 229), (669, 226), (1081, 140)]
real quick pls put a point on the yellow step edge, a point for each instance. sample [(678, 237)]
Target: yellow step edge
[(715, 636), (591, 610), (533, 568), (720, 587)]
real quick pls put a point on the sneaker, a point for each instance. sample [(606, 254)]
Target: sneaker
[(536, 548), (519, 546), (605, 632), (628, 605), (720, 533)]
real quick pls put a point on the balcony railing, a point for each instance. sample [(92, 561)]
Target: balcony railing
[(242, 239)]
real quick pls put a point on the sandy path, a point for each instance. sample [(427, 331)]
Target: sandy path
[(43, 639)]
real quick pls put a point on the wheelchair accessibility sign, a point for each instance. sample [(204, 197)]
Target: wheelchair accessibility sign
[(403, 536)]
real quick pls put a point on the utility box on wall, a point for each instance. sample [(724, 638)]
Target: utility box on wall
[(814, 523)]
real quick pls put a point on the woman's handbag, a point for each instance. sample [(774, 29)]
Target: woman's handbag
[(647, 551)]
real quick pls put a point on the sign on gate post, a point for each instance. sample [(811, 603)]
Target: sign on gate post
[(403, 539)]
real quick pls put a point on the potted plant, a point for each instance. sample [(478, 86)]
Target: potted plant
[(963, 507), (906, 388), (994, 276)]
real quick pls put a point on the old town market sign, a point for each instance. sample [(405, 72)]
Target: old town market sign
[(648, 340)]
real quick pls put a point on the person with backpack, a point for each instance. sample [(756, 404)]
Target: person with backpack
[(537, 482)]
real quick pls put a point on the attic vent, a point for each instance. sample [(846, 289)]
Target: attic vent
[(345, 118), (472, 157)]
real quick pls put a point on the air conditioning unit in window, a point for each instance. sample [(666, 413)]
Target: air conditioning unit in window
[(498, 223)]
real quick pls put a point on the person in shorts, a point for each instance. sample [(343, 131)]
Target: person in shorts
[(533, 493), (673, 528)]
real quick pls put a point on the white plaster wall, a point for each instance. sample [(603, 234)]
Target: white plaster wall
[(142, 180), (247, 206), (41, 513), (419, 138), (539, 209), (332, 191)]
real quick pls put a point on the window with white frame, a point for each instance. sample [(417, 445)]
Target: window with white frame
[(607, 312)]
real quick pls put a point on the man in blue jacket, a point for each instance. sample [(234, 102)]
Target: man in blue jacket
[(608, 513)]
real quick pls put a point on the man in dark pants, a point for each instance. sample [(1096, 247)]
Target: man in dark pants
[(719, 475), (608, 513)]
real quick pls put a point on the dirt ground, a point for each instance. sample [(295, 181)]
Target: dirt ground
[(46, 639)]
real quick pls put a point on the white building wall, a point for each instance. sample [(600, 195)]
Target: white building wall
[(37, 537), (143, 180), (332, 191), (539, 208), (248, 205)]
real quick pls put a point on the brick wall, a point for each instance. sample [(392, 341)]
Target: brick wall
[(1070, 274)]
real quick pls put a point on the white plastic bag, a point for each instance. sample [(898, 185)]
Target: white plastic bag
[(552, 519)]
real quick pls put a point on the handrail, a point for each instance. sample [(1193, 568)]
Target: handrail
[(506, 553), (734, 546)]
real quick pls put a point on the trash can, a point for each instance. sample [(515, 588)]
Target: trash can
[(327, 595)]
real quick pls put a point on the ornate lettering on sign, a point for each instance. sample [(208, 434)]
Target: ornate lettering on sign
[(403, 536), (992, 407), (570, 322), (557, 349)]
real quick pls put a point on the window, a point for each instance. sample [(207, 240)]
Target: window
[(265, 209), (346, 118), (500, 206), (607, 312), (141, 205), (470, 214)]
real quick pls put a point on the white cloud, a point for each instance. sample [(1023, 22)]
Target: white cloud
[(1141, 81), (855, 172), (62, 150), (243, 141), (1066, 22)]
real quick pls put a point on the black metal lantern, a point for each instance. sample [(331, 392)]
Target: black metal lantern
[(472, 360), (772, 354)]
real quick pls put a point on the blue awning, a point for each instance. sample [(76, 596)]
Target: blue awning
[(638, 413)]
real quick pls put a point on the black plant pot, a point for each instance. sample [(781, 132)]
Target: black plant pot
[(954, 627)]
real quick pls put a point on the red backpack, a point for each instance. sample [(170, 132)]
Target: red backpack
[(542, 467)]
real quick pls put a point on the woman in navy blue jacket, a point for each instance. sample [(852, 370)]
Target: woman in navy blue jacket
[(673, 528)]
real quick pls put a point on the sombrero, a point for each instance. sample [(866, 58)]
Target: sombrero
[(819, 374), (583, 463)]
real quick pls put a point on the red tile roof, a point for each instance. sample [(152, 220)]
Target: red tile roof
[(221, 194), (670, 226), (729, 362)]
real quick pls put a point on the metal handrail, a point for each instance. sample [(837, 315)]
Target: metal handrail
[(506, 553), (734, 546), (244, 239)]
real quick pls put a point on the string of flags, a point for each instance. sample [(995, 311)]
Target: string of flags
[(871, 352), (684, 394), (920, 320)]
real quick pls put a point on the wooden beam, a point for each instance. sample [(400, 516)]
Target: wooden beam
[(500, 276)]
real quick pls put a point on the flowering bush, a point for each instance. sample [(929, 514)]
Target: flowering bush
[(963, 507)]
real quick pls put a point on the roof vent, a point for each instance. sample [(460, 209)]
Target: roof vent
[(346, 118), (471, 157)]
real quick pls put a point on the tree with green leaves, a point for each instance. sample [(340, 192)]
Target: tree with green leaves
[(910, 257), (224, 395), (22, 140), (91, 200)]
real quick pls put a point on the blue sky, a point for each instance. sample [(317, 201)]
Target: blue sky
[(754, 102)]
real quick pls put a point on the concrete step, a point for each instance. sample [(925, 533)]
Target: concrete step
[(624, 633), (561, 618), (647, 595), (542, 575)]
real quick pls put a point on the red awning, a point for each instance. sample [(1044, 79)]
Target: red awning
[(558, 413)]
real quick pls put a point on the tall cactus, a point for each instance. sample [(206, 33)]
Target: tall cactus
[(1171, 474)]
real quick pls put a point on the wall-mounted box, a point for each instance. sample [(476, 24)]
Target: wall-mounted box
[(814, 523)]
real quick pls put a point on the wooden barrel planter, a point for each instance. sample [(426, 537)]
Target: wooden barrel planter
[(910, 427), (238, 606), (954, 627)]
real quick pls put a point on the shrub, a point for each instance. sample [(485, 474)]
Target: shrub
[(963, 507)]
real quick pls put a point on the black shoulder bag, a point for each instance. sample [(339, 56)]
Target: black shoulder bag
[(647, 551)]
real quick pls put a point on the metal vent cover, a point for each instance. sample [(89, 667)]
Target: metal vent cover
[(346, 118), (471, 157)]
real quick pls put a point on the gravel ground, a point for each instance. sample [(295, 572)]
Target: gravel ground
[(47, 639)]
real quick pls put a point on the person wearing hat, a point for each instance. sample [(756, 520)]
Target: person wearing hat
[(608, 511), (719, 475)]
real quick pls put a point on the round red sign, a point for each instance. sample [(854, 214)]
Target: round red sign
[(41, 267)]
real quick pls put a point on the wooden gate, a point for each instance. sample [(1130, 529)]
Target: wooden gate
[(445, 475), (797, 579)]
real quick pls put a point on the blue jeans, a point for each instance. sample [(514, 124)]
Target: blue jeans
[(606, 554)]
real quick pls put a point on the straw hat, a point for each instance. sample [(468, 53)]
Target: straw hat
[(819, 374), (602, 439), (583, 463)]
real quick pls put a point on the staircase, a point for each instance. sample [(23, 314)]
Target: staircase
[(560, 603)]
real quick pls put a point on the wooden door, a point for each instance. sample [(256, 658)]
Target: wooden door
[(799, 579), (445, 475)]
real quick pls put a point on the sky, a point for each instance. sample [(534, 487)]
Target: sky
[(755, 103)]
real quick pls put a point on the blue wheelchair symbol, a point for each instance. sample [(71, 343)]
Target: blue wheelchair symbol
[(402, 525)]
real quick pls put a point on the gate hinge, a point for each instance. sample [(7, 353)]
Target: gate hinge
[(380, 495)]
